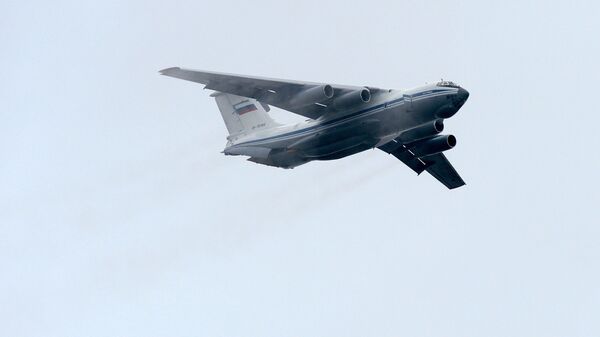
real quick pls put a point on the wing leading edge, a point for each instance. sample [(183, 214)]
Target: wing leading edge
[(437, 165), (276, 92)]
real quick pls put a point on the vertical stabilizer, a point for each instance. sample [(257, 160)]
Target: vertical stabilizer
[(243, 114)]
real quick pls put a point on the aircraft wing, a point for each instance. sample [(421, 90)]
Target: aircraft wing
[(441, 169), (437, 165), (276, 92)]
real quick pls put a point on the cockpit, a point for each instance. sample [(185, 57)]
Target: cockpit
[(448, 84)]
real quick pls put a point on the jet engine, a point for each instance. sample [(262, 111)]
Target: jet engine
[(422, 131), (313, 95), (352, 98), (433, 145)]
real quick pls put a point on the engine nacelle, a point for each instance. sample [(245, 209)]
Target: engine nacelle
[(422, 131), (352, 98), (313, 95), (433, 145)]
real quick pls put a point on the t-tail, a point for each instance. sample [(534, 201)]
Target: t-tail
[(243, 115)]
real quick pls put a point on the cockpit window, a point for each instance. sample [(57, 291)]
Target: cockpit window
[(447, 84)]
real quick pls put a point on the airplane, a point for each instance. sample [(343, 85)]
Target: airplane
[(341, 120)]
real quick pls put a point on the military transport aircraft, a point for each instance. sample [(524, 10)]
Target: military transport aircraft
[(342, 120)]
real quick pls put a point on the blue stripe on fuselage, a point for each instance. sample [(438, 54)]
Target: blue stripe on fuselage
[(343, 119)]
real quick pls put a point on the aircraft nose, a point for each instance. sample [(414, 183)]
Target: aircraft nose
[(461, 97)]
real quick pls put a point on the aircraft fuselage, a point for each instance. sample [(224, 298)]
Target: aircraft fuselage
[(339, 134)]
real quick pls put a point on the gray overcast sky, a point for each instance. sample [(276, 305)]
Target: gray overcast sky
[(119, 216)]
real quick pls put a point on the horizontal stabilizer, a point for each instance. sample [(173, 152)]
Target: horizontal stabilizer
[(252, 151)]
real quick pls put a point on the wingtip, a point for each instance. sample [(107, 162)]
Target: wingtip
[(166, 71), (461, 184)]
